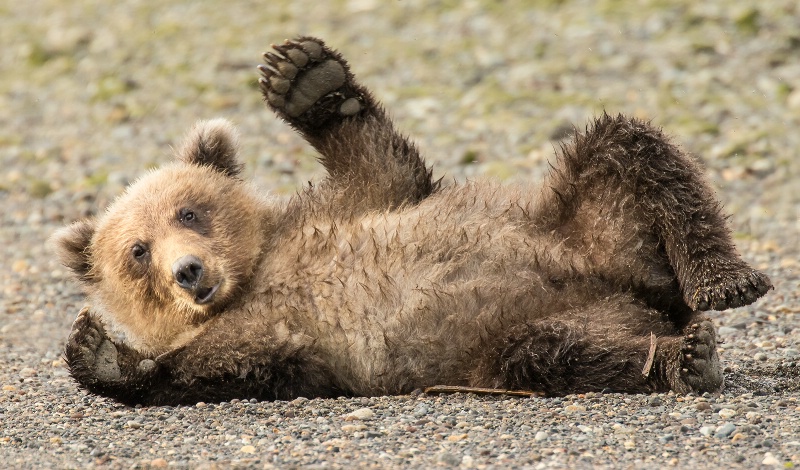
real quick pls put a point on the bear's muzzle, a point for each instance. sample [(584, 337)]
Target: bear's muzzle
[(188, 273)]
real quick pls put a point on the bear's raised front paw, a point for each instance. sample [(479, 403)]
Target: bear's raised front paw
[(307, 83), (90, 355), (698, 367), (740, 287)]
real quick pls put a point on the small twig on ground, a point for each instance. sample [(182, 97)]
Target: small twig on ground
[(650, 356), (480, 391)]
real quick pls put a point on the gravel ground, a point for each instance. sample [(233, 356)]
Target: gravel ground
[(93, 92)]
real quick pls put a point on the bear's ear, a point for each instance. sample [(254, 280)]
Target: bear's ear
[(72, 246), (214, 143)]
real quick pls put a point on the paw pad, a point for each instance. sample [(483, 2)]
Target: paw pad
[(699, 365), (89, 353), (305, 82)]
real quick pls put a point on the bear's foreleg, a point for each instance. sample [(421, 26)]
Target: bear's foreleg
[(198, 371), (311, 87)]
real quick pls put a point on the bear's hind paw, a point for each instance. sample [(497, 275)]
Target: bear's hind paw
[(741, 287), (699, 369), (308, 84)]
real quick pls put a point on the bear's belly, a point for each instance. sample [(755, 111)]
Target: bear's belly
[(386, 297)]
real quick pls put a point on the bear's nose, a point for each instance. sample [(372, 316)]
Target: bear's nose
[(187, 270)]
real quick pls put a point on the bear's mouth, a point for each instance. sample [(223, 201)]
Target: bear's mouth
[(205, 294)]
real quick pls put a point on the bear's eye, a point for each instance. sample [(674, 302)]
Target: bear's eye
[(187, 216), (139, 251)]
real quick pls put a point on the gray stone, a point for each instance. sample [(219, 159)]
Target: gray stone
[(725, 430)]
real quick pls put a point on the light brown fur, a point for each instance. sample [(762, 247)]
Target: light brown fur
[(141, 298), (380, 281)]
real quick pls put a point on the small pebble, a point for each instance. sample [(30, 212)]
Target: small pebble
[(363, 414), (727, 331), (574, 408), (449, 459), (655, 401), (629, 445), (353, 427), (770, 459), (724, 430)]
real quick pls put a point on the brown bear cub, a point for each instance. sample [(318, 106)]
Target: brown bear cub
[(379, 281)]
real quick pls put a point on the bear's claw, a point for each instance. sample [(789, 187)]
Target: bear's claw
[(743, 287), (307, 84)]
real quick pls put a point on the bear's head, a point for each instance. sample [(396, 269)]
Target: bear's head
[(176, 248)]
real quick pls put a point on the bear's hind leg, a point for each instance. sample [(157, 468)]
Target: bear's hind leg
[(623, 194), (563, 357), (311, 87)]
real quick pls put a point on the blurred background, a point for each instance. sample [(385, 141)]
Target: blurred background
[(93, 93)]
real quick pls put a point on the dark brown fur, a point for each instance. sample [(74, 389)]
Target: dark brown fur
[(379, 281)]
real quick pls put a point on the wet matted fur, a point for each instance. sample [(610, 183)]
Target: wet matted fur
[(379, 280)]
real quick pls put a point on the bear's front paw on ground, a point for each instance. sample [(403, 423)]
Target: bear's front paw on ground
[(735, 288), (90, 355), (307, 84), (698, 368)]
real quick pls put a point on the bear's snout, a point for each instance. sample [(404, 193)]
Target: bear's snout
[(187, 271)]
